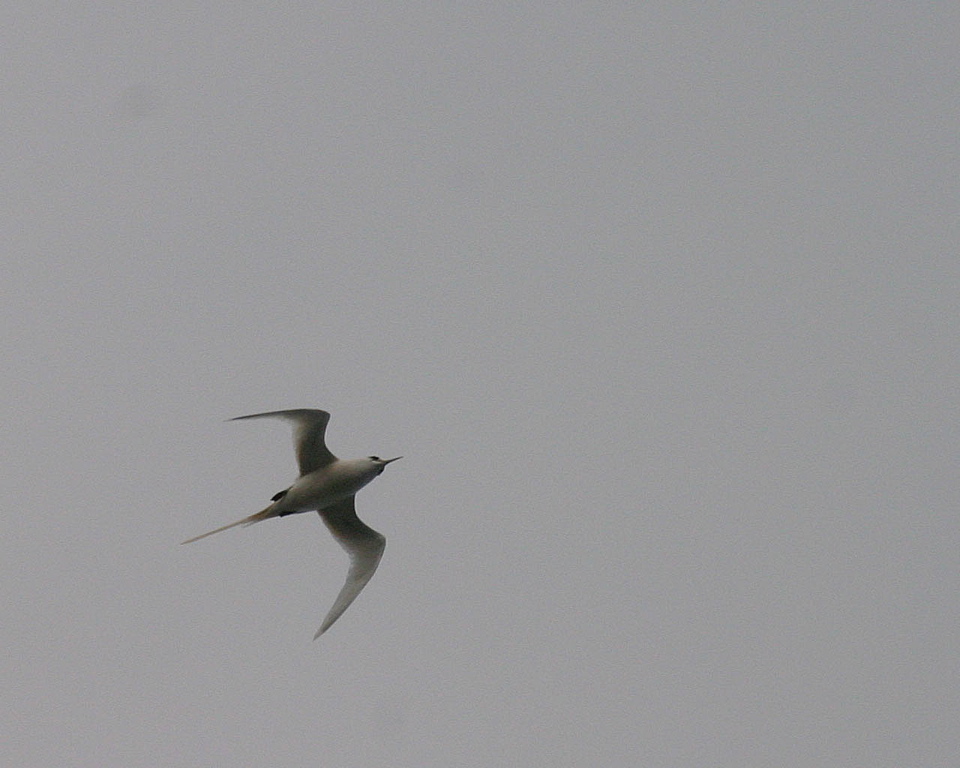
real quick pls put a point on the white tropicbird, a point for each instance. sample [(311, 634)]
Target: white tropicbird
[(327, 485)]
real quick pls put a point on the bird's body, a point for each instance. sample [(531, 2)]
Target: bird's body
[(326, 485)]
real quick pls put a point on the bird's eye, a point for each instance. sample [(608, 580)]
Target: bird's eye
[(374, 458)]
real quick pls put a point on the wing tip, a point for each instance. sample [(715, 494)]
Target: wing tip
[(289, 413)]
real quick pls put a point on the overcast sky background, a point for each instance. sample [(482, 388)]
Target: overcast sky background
[(658, 301)]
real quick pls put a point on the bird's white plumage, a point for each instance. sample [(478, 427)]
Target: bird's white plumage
[(328, 485), (364, 546)]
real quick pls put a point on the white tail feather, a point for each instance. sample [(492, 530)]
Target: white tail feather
[(245, 521)]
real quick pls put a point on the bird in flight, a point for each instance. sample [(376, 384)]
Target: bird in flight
[(327, 485)]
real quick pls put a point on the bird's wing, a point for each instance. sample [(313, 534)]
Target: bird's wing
[(365, 547), (308, 432)]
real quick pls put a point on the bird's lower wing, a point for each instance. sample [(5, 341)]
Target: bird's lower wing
[(365, 547)]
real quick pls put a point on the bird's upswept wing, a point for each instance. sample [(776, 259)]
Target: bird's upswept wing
[(365, 547), (310, 425)]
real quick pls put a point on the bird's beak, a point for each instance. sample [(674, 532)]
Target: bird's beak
[(387, 461)]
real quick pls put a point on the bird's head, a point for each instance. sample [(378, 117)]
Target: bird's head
[(381, 463)]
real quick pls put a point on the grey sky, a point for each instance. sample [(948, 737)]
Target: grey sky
[(659, 303)]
